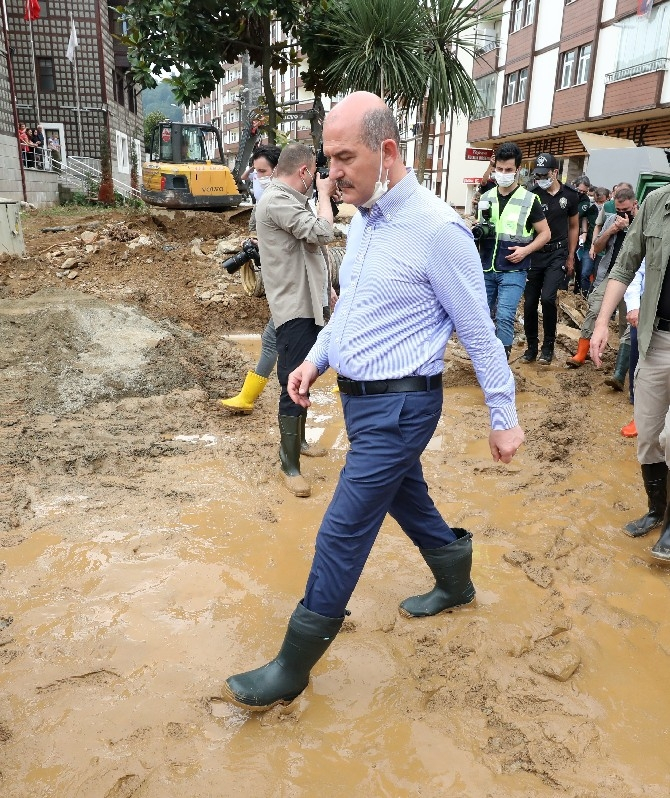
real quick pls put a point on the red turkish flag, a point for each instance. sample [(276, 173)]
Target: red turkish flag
[(32, 10)]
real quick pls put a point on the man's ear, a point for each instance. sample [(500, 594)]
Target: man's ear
[(390, 153)]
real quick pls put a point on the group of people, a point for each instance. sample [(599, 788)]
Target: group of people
[(410, 277), (34, 147)]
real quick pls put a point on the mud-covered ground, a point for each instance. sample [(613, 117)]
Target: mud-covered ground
[(147, 551)]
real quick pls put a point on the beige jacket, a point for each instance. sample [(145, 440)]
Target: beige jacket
[(294, 271)]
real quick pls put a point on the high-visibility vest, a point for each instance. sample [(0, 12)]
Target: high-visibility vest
[(510, 229)]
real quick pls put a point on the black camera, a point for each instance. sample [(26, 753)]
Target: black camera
[(248, 252), (322, 171), (484, 229)]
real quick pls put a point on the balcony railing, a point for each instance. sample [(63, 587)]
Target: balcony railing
[(487, 48), (481, 113), (657, 65)]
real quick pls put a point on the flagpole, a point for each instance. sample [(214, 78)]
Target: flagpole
[(32, 49), (76, 91)]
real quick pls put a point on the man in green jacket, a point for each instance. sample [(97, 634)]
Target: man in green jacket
[(648, 239)]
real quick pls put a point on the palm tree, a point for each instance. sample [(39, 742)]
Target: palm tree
[(406, 51), (450, 27)]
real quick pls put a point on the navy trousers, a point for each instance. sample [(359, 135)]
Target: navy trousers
[(382, 474)]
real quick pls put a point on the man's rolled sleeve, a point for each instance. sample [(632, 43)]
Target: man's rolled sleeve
[(301, 222)]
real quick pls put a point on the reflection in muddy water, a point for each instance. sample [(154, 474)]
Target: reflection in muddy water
[(554, 683)]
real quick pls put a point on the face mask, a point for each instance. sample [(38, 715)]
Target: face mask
[(308, 188), (264, 182), (625, 215), (545, 184), (380, 188), (504, 179)]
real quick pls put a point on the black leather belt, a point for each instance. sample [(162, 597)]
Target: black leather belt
[(403, 385), (663, 325), (553, 247)]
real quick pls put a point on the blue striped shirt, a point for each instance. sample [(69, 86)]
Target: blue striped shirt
[(410, 276)]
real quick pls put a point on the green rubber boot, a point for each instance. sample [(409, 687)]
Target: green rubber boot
[(289, 456), (451, 567), (287, 675), (618, 379)]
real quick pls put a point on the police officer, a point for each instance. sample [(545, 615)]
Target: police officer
[(553, 261), (520, 228)]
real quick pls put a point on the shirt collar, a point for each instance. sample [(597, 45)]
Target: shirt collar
[(297, 194), (390, 203)]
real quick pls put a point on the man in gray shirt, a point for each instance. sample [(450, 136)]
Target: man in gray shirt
[(295, 276)]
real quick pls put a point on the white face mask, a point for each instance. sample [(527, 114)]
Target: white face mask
[(264, 182), (545, 184), (308, 188), (504, 179), (380, 188)]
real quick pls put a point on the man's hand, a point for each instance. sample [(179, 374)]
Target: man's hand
[(592, 252), (598, 343), (570, 265), (517, 254), (505, 442), (325, 187), (632, 316), (333, 298), (299, 382), (620, 223)]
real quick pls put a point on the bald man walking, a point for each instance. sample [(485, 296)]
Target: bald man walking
[(411, 275)]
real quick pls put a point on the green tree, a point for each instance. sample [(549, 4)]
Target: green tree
[(192, 39), (162, 99), (106, 189), (150, 121), (406, 51)]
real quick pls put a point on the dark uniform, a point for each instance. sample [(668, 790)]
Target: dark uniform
[(547, 272)]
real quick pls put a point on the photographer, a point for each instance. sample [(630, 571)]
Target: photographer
[(295, 276), (511, 226)]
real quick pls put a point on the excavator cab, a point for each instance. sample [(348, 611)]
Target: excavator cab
[(185, 169)]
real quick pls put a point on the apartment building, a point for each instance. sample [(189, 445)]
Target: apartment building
[(74, 99), (552, 68)]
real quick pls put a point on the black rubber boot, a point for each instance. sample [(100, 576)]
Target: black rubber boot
[(618, 379), (546, 353), (290, 430), (309, 449), (655, 479), (530, 355), (286, 676), (451, 568)]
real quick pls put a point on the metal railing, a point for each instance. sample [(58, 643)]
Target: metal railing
[(657, 65), (481, 113), (40, 158), (85, 171), (486, 48)]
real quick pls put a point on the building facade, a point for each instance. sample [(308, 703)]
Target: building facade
[(76, 99), (552, 68)]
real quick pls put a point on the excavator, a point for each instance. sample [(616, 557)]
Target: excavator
[(186, 169)]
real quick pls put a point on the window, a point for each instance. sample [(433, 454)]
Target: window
[(46, 80), (575, 65), (486, 88), (516, 85), (122, 160), (523, 14), (567, 69), (644, 39), (583, 64)]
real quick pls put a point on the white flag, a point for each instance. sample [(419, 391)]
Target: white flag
[(72, 44)]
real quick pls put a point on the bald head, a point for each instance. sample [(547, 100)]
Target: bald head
[(367, 113)]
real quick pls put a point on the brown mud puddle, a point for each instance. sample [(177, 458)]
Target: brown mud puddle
[(123, 611)]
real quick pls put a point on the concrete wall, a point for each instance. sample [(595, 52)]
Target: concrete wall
[(10, 171), (42, 187)]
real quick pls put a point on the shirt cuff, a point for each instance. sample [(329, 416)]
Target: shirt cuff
[(504, 417)]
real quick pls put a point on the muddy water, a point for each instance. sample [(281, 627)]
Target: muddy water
[(554, 683)]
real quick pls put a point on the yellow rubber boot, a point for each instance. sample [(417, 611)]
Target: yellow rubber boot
[(580, 355), (251, 390)]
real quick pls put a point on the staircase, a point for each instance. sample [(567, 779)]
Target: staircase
[(84, 175)]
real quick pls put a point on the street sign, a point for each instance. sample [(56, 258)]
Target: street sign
[(474, 154), (294, 116), (472, 181), (166, 135)]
